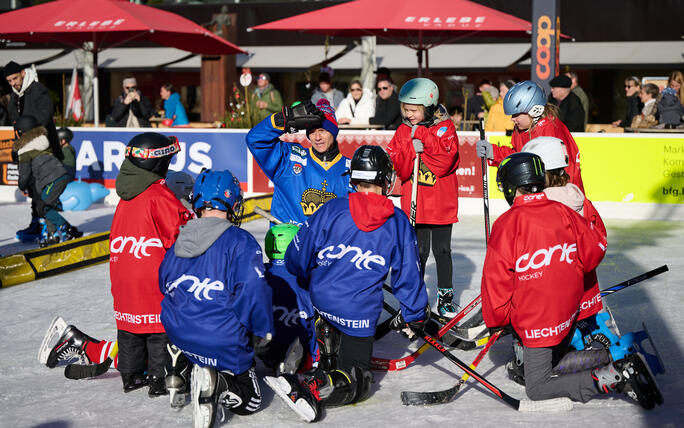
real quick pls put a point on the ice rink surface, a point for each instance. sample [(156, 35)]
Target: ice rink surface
[(31, 395)]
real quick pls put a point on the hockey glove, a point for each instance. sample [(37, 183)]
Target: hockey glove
[(261, 344), (484, 149), (410, 330), (301, 116), (507, 329)]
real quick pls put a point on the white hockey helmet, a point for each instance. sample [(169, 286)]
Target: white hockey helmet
[(551, 150)]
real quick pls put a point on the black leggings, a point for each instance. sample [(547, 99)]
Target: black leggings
[(440, 235), (140, 353)]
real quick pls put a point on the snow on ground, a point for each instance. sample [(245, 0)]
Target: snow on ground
[(32, 395)]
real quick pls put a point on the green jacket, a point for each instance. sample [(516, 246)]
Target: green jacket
[(272, 97)]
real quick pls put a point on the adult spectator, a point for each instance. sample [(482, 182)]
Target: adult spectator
[(484, 98), (387, 111), (634, 105), (384, 73), (646, 119), (31, 98), (676, 82), (497, 120), (569, 104), (132, 109), (577, 90), (173, 107), (357, 107), (266, 99), (325, 90), (304, 179)]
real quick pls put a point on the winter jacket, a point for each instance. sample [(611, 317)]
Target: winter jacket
[(174, 107), (634, 106), (36, 161), (215, 294), (533, 276), (144, 226), (334, 96), (302, 182), (343, 253), (69, 160), (273, 100), (572, 197), (358, 112), (387, 112), (550, 127), (142, 109), (437, 197), (497, 120), (584, 99), (571, 112)]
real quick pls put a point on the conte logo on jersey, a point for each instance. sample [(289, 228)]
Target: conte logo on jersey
[(544, 256), (196, 287), (360, 258), (138, 246)]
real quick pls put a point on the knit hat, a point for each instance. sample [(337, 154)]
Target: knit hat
[(12, 68), (561, 81), (330, 122)]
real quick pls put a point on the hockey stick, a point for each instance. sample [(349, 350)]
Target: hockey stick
[(414, 185), (485, 186), (267, 215), (438, 397), (83, 371), (413, 398), (385, 364), (525, 406)]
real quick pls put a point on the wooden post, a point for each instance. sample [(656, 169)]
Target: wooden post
[(217, 75)]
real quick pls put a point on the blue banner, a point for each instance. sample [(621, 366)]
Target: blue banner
[(99, 153)]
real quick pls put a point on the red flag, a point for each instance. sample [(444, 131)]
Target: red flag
[(74, 103)]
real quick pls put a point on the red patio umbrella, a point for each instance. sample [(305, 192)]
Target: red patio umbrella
[(108, 23), (419, 25)]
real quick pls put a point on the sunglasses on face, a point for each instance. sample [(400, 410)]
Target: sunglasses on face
[(383, 88), (355, 89)]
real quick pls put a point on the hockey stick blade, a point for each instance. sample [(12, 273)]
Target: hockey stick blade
[(84, 371), (552, 405)]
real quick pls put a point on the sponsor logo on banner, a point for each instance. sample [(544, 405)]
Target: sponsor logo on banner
[(544, 256), (361, 259), (544, 33)]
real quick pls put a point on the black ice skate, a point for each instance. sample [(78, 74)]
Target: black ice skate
[(157, 386), (133, 381), (70, 345), (632, 377), (295, 395), (178, 370)]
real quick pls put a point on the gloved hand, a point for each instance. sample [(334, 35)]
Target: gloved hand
[(484, 149), (507, 329), (418, 146), (413, 329), (301, 116), (261, 344)]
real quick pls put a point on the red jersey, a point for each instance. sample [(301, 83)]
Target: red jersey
[(437, 197), (533, 275), (143, 228), (591, 300), (545, 127)]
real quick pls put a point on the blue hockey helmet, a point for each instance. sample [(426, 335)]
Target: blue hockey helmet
[(525, 97), (218, 190)]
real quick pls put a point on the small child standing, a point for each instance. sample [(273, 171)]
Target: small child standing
[(64, 135), (427, 131), (217, 306), (144, 226), (39, 167)]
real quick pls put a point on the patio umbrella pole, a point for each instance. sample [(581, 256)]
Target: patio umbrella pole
[(96, 89)]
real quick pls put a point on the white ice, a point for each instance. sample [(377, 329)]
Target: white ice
[(32, 395)]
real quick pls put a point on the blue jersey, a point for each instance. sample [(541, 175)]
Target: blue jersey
[(293, 314), (346, 267), (302, 182), (213, 302)]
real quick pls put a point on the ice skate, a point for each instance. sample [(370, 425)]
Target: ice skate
[(445, 307), (178, 370), (157, 386), (293, 358), (204, 396), (53, 333), (70, 345), (31, 233), (296, 396), (632, 377)]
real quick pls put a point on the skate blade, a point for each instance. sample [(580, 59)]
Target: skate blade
[(52, 335), (202, 414), (282, 389), (177, 398)]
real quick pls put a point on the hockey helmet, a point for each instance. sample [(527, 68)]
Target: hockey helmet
[(520, 170), (421, 91), (278, 238), (152, 151), (372, 164), (551, 150), (65, 134), (218, 190), (181, 184), (24, 124), (525, 97)]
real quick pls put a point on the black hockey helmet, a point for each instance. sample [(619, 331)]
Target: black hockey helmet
[(520, 170), (25, 124), (372, 164), (65, 134), (152, 152)]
